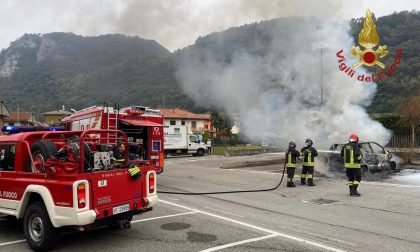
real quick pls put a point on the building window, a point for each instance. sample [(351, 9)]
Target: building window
[(193, 124), (206, 126), (182, 122), (172, 122), (11, 124)]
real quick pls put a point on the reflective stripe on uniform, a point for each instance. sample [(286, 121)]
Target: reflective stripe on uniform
[(303, 176), (350, 183), (351, 164), (289, 161), (356, 182), (289, 180), (310, 176), (308, 162)]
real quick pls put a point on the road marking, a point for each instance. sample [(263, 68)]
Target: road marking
[(165, 216), (391, 185), (239, 243), (12, 242), (226, 212), (262, 172), (315, 244)]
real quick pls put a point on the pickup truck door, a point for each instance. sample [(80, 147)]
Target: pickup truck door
[(8, 191)]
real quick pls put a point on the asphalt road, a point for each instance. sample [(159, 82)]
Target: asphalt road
[(320, 218)]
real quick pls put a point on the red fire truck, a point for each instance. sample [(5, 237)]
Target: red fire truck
[(143, 127), (53, 179)]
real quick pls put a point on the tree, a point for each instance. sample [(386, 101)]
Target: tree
[(222, 123), (411, 115)]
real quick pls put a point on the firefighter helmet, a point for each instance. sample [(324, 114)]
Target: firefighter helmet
[(354, 138), (308, 142), (292, 144)]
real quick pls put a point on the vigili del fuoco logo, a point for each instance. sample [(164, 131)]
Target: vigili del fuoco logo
[(369, 53)]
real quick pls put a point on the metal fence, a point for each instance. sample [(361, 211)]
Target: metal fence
[(403, 141)]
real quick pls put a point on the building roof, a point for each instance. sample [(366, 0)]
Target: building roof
[(58, 112), (178, 113), (4, 111), (23, 117)]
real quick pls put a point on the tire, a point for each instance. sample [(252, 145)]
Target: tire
[(41, 152), (40, 234), (200, 152), (393, 165)]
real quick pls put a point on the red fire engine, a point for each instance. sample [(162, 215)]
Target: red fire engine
[(68, 179), (143, 127)]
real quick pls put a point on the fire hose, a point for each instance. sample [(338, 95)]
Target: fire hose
[(229, 192)]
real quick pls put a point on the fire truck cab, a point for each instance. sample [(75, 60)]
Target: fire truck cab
[(143, 127), (56, 179)]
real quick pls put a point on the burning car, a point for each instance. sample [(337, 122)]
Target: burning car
[(375, 158)]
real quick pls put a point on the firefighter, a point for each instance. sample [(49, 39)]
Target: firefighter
[(308, 154), (119, 154), (352, 155), (291, 155)]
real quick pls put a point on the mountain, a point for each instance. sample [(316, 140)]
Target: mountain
[(50, 70)]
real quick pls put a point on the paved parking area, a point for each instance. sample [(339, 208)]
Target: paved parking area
[(171, 226)]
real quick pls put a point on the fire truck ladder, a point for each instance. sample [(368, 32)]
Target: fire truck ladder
[(112, 122)]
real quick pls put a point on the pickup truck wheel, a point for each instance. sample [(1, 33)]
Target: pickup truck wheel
[(200, 152), (41, 152), (39, 231)]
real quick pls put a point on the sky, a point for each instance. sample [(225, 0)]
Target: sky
[(173, 23)]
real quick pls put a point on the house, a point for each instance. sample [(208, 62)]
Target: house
[(54, 117), (21, 119), (4, 113), (199, 123)]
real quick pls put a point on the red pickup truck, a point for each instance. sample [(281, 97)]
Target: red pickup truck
[(58, 179)]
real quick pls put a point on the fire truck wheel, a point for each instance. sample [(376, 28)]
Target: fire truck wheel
[(200, 152), (41, 152), (39, 231)]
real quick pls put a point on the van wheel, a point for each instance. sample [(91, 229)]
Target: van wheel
[(40, 234), (200, 152), (41, 152)]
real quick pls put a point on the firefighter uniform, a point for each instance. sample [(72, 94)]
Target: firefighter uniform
[(291, 155), (308, 154), (352, 157)]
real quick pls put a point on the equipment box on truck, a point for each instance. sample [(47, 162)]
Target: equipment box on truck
[(58, 179), (180, 140), (143, 127)]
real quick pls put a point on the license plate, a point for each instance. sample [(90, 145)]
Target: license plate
[(121, 209)]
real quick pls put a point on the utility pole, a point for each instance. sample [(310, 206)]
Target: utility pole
[(17, 101), (322, 81)]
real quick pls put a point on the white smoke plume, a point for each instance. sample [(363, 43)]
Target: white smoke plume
[(274, 86)]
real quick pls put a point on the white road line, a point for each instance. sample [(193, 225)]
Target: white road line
[(165, 216), (261, 172), (12, 242), (239, 243), (315, 244), (389, 184), (226, 212)]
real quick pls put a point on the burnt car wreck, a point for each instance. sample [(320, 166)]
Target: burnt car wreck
[(375, 158)]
